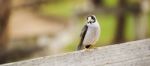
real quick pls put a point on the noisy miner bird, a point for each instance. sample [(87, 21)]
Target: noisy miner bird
[(90, 33)]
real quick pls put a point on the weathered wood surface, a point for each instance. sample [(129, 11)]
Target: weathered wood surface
[(135, 53)]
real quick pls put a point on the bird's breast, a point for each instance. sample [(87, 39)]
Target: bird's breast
[(91, 35)]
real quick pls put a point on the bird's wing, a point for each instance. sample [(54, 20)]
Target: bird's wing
[(82, 35), (83, 32)]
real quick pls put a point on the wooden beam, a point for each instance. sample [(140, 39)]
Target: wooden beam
[(136, 53)]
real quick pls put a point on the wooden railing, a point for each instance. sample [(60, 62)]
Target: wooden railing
[(135, 53)]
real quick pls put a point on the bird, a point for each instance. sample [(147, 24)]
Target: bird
[(90, 33)]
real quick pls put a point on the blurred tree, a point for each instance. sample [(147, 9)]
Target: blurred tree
[(4, 17), (120, 22), (97, 3)]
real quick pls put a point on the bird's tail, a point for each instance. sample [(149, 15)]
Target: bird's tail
[(80, 46)]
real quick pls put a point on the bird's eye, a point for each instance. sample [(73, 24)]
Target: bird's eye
[(92, 17)]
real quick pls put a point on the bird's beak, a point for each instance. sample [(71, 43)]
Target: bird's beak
[(89, 19)]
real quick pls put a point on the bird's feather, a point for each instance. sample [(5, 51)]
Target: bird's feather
[(82, 35)]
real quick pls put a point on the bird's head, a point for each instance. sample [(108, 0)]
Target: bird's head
[(91, 19)]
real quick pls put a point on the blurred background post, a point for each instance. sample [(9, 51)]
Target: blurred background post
[(4, 20), (36, 28)]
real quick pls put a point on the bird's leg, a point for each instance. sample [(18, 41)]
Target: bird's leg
[(92, 46)]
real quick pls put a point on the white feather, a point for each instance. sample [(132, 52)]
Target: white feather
[(92, 34)]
